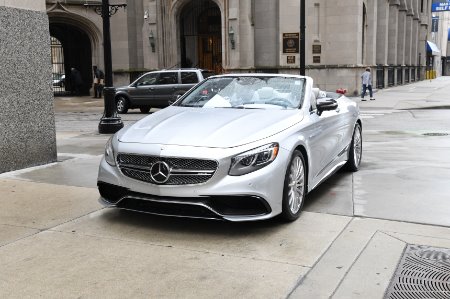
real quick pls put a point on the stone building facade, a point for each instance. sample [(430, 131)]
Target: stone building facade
[(342, 37), (26, 119)]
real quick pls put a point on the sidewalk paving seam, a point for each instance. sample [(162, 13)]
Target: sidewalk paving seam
[(356, 216), (355, 260), (41, 230), (401, 221), (302, 278), (396, 267)]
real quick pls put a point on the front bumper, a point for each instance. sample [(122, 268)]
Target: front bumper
[(233, 208), (253, 196)]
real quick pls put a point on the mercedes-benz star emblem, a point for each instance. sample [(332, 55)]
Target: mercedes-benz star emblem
[(160, 172)]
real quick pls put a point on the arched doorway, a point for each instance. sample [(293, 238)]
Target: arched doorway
[(201, 35), (72, 48)]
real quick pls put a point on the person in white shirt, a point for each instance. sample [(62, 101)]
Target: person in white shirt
[(366, 84)]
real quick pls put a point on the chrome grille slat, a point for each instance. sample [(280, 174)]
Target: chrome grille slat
[(184, 171)]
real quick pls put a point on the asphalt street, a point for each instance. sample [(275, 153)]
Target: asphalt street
[(57, 241)]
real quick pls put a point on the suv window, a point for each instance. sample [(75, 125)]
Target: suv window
[(168, 78), (148, 79), (189, 78), (207, 74)]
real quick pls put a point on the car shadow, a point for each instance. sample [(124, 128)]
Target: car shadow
[(333, 196), (204, 227)]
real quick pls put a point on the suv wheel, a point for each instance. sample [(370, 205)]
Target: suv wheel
[(122, 104)]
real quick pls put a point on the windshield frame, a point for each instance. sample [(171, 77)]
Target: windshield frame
[(296, 103)]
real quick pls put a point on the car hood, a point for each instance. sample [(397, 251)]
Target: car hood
[(209, 127)]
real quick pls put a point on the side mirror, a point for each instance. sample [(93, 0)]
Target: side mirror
[(326, 104)]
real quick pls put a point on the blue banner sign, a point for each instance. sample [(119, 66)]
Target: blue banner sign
[(440, 5)]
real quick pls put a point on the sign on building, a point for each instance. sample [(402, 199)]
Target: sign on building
[(435, 24), (440, 5), (290, 43)]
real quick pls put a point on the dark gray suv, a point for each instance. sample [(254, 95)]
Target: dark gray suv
[(157, 89)]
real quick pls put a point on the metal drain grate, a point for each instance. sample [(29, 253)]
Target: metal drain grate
[(423, 272), (435, 134)]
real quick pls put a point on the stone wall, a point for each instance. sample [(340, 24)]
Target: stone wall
[(27, 122)]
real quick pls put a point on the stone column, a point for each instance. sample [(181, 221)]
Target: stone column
[(27, 118), (382, 32), (234, 22), (403, 35), (415, 39), (371, 39), (425, 22), (266, 34), (246, 34), (393, 31), (409, 36)]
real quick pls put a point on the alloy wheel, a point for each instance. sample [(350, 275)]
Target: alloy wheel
[(296, 185)]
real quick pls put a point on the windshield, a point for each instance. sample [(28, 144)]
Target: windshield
[(247, 92)]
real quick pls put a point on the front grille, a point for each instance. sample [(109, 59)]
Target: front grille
[(183, 171)]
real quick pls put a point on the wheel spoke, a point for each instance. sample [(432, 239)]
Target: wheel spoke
[(296, 185), (357, 146)]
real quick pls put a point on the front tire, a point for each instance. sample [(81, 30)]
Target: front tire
[(355, 152), (122, 104), (294, 190)]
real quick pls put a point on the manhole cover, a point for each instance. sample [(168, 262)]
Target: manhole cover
[(423, 272), (435, 134)]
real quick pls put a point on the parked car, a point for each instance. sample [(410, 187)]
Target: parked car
[(59, 80), (157, 89), (237, 147)]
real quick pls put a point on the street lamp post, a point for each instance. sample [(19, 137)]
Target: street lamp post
[(302, 37), (110, 121)]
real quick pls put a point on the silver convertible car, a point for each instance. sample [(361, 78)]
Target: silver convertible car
[(235, 147)]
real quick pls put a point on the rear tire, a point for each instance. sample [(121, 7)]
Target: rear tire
[(294, 190), (122, 104), (355, 151)]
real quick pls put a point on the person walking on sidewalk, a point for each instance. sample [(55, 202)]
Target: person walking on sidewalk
[(99, 77), (366, 84)]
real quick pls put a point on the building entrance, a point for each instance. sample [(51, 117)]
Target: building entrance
[(201, 36), (71, 48)]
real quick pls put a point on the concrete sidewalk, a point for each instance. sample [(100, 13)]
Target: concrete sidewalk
[(56, 241), (418, 95)]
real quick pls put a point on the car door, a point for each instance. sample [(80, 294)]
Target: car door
[(164, 89), (327, 135), (142, 92)]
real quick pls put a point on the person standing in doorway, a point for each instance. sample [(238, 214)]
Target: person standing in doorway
[(76, 81), (99, 78), (366, 84)]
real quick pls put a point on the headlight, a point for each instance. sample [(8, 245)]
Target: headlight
[(253, 160), (109, 152)]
